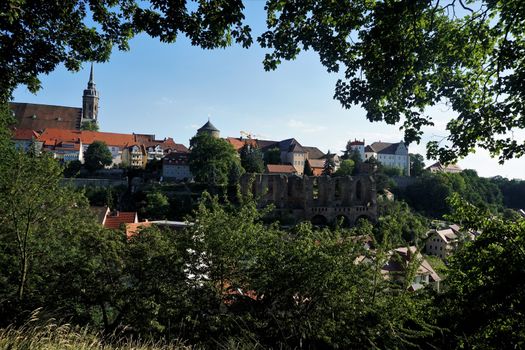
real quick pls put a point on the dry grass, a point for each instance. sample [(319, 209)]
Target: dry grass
[(53, 336)]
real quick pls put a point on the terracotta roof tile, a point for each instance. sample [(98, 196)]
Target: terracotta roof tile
[(114, 220), (281, 168)]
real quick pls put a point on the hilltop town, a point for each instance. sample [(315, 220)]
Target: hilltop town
[(319, 235)]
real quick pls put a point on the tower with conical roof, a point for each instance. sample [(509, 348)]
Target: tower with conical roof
[(90, 100), (209, 129)]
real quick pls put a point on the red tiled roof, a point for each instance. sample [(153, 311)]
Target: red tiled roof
[(235, 142), (239, 143), (51, 136), (134, 228), (114, 221), (39, 117), (357, 143), (281, 168)]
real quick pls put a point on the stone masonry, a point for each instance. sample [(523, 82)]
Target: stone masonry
[(321, 200)]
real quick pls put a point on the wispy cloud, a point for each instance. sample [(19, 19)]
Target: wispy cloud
[(164, 101), (305, 127)]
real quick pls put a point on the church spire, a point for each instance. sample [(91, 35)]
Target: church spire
[(90, 99), (91, 75)]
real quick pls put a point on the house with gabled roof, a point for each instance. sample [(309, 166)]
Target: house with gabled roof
[(283, 169), (441, 243), (390, 154), (441, 168), (291, 151)]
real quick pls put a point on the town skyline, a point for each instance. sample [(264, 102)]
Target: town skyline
[(171, 90)]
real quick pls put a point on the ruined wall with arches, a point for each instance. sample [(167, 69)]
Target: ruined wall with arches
[(321, 200)]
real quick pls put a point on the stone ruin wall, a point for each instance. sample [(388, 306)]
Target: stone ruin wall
[(321, 200)]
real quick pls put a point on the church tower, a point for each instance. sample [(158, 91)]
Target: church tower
[(90, 100)]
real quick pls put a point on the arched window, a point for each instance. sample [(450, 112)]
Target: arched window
[(358, 190), (337, 189)]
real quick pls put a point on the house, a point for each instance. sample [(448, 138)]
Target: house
[(116, 220), (175, 166), (440, 168), (25, 138), (399, 260), (135, 155), (441, 243), (54, 139), (284, 169), (291, 151), (390, 154), (358, 146), (317, 166)]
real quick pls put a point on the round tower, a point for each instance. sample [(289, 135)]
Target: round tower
[(209, 129)]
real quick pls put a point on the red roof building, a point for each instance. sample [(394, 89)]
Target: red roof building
[(285, 169), (114, 220)]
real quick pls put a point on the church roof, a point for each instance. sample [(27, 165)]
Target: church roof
[(208, 127), (39, 116)]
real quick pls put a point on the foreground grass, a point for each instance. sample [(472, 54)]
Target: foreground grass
[(54, 336)]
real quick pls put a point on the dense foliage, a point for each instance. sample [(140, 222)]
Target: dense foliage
[(213, 160), (97, 156), (252, 159), (429, 192)]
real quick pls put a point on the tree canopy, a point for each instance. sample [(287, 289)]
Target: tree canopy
[(396, 58), (97, 156), (213, 160), (252, 159)]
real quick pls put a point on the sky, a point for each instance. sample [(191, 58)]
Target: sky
[(171, 90)]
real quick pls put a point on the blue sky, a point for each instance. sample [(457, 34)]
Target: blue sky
[(172, 89)]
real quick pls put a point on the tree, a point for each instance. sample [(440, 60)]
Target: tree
[(329, 164), (33, 205), (72, 169), (346, 168), (272, 156), (38, 36), (89, 125), (417, 164), (251, 159), (157, 206), (97, 156), (485, 282), (398, 58), (211, 159), (308, 169)]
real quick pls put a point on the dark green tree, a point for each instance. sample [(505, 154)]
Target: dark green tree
[(211, 159), (329, 164), (251, 159), (485, 282), (272, 156), (417, 164), (347, 167), (97, 156), (400, 57), (308, 169), (72, 169), (157, 206)]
